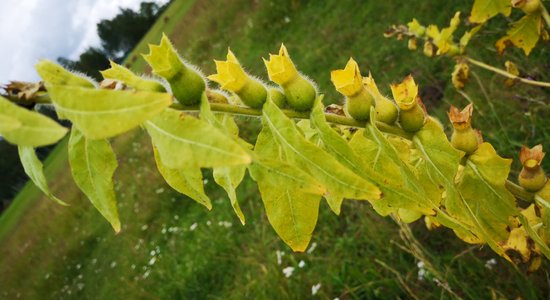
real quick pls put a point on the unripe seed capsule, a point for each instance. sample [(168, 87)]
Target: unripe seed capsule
[(464, 138), (532, 177), (300, 93)]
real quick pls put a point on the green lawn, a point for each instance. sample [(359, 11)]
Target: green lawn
[(171, 247)]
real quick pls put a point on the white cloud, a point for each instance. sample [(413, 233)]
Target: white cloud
[(35, 29)]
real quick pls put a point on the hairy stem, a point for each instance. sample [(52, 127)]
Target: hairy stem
[(331, 118), (506, 74)]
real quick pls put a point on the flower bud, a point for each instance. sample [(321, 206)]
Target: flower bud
[(464, 138), (233, 78), (411, 115), (186, 82), (349, 83), (532, 177), (385, 109), (300, 92)]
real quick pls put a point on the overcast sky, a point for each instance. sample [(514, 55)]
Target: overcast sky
[(34, 29)]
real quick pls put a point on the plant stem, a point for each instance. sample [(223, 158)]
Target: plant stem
[(506, 74), (518, 191), (331, 118), (515, 189)]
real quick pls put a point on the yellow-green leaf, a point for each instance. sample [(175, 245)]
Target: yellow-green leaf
[(365, 165), (228, 178), (291, 199), (34, 169), (482, 10), (441, 163), (339, 180), (93, 164), (8, 123), (118, 72), (187, 181), (27, 128), (185, 141), (482, 188), (54, 74), (100, 114), (524, 33)]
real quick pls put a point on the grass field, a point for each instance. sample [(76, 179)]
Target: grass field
[(170, 247)]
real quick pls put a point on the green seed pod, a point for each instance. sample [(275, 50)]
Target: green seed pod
[(277, 96), (253, 94), (411, 113), (358, 106), (464, 138), (386, 110), (300, 94), (532, 177), (413, 119), (232, 77), (186, 82)]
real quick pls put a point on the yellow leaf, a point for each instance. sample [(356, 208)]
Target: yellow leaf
[(482, 10), (524, 34)]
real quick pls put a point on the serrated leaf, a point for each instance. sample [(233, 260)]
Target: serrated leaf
[(185, 141), (118, 72), (187, 181), (524, 33), (338, 179), (93, 164), (34, 169), (441, 162), (27, 128), (482, 188), (101, 114), (291, 199), (482, 10)]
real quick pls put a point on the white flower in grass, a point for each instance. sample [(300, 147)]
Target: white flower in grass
[(301, 264), (193, 226), (288, 271), (312, 248), (280, 255), (315, 289), (490, 263)]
